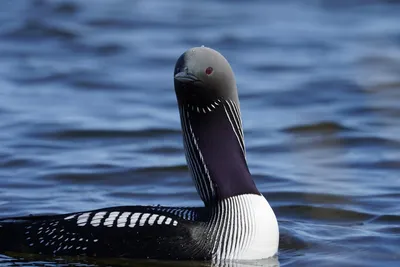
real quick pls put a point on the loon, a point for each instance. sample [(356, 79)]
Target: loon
[(236, 222)]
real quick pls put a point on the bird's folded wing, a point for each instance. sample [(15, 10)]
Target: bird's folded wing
[(129, 231)]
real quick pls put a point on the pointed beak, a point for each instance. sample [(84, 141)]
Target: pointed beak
[(185, 77)]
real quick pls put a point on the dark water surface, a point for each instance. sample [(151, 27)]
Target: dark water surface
[(88, 115)]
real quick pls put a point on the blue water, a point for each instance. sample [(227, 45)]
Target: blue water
[(88, 115)]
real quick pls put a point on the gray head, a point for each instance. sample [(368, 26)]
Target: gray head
[(211, 125), (203, 75)]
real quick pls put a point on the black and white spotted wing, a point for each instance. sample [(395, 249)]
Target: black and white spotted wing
[(131, 232)]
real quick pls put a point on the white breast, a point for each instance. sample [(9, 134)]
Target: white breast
[(245, 228)]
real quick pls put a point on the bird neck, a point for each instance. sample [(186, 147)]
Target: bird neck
[(215, 152)]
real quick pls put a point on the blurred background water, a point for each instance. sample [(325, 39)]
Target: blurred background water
[(88, 115)]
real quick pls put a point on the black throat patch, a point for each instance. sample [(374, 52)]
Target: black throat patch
[(215, 130)]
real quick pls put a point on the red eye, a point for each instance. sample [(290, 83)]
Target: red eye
[(209, 70)]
